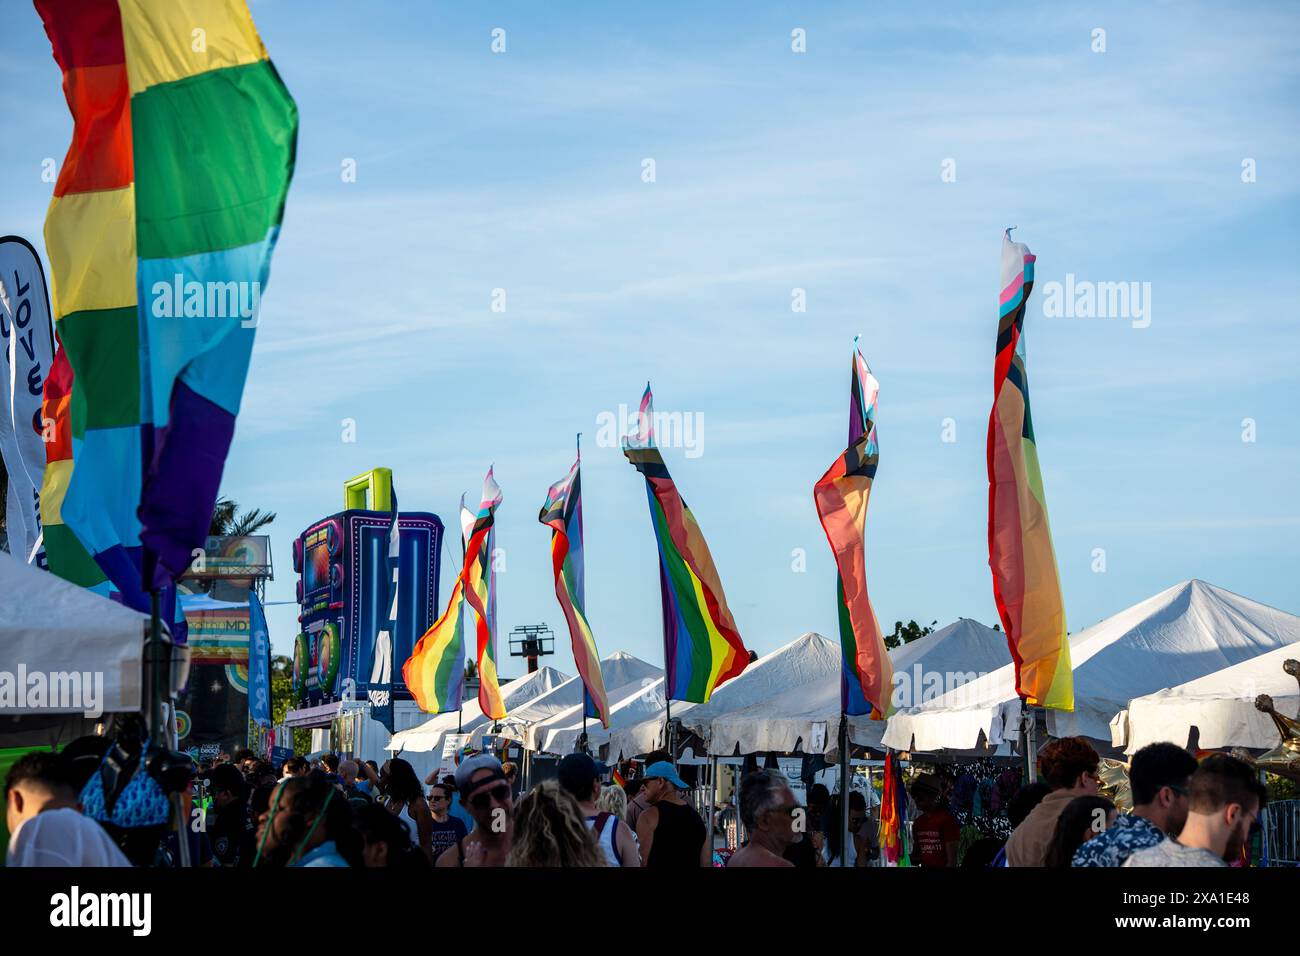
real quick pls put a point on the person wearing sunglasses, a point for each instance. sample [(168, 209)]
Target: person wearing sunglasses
[(448, 831), (485, 792), (772, 817), (670, 833), (1158, 775)]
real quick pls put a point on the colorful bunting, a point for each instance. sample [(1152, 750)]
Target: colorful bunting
[(1026, 585)]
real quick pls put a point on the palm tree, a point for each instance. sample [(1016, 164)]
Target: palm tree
[(227, 521)]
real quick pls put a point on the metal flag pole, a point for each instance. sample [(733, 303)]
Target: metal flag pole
[(844, 788), (1029, 740)]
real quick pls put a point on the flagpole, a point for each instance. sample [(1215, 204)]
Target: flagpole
[(844, 787)]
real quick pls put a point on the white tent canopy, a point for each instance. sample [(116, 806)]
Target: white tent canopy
[(1220, 705), (428, 736), (1180, 634), (51, 627), (630, 707), (617, 671), (788, 699)]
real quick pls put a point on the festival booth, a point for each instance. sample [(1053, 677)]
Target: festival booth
[(1220, 706), (423, 745), (619, 670), (788, 701), (632, 710), (69, 660), (85, 652), (1183, 633)]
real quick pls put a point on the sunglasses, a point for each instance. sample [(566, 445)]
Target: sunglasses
[(498, 794), (436, 797)]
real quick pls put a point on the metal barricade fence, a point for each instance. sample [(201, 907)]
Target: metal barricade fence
[(1281, 825)]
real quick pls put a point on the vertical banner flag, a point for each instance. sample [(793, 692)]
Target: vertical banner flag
[(160, 234), (1026, 585), (480, 594), (435, 671), (259, 663), (702, 648), (63, 552), (28, 339), (562, 513), (841, 495), (380, 692)]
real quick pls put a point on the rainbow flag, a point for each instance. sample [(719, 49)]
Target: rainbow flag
[(63, 552), (480, 595), (841, 495), (159, 235), (702, 648), (435, 671), (1026, 585), (562, 512), (893, 814)]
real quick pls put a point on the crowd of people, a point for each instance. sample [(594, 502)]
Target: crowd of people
[(336, 812)]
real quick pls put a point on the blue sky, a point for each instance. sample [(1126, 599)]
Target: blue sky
[(774, 171)]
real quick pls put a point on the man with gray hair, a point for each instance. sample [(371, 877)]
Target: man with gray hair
[(769, 810)]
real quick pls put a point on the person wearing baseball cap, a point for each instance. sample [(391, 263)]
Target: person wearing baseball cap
[(670, 832), (579, 776), (485, 792)]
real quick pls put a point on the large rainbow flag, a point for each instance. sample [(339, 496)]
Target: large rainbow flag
[(702, 648), (159, 236), (841, 495), (434, 673), (1026, 585), (562, 512)]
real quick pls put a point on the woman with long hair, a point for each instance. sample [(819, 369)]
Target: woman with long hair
[(405, 798), (308, 823), (1082, 819), (550, 830)]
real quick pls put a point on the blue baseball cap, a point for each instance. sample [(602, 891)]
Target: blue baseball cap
[(663, 770)]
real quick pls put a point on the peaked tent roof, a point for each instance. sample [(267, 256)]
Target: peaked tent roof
[(1220, 705), (618, 670), (636, 703), (428, 736), (775, 703), (53, 626), (1178, 635)]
